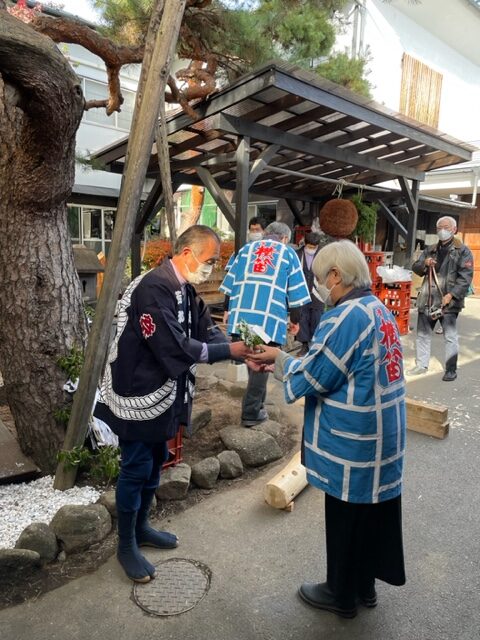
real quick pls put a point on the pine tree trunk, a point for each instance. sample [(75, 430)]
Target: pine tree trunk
[(41, 310)]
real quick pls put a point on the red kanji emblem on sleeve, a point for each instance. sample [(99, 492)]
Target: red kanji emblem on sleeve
[(147, 325), (263, 258)]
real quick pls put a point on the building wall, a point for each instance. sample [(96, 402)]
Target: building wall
[(469, 231), (389, 33)]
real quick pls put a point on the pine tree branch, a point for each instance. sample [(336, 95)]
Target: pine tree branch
[(114, 56)]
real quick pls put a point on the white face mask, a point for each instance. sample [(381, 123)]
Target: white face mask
[(323, 293), (444, 234), (310, 252), (201, 274), (253, 236)]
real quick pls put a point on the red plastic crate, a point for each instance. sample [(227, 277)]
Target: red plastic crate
[(403, 287), (403, 326), (394, 303), (374, 259), (399, 314), (175, 446)]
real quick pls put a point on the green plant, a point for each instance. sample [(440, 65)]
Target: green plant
[(76, 457), (62, 415), (367, 219), (248, 336), (89, 312), (102, 464), (72, 363)]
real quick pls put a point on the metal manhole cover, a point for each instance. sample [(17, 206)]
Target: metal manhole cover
[(179, 585)]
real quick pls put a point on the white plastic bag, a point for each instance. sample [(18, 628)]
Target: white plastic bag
[(394, 274)]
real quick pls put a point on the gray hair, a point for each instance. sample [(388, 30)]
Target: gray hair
[(279, 229), (347, 258), (194, 237), (451, 220)]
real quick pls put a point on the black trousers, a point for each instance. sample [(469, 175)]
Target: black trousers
[(364, 542)]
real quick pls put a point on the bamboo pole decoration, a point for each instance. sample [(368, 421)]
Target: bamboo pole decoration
[(159, 49)]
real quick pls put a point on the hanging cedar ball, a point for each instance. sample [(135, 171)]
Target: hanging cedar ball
[(338, 218)]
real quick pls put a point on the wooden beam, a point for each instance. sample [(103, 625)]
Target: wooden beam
[(365, 112), (392, 219), (159, 49), (241, 192), (426, 418), (295, 210), (411, 198), (217, 194), (149, 204), (303, 144), (261, 162)]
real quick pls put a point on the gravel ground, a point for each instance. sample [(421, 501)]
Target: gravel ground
[(36, 501)]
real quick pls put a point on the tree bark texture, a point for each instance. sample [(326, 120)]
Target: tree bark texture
[(41, 309)]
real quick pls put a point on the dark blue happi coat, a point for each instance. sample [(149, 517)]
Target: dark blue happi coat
[(148, 386)]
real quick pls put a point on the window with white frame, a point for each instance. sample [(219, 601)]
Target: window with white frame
[(91, 226), (95, 90)]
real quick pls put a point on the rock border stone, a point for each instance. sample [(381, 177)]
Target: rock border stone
[(76, 527)]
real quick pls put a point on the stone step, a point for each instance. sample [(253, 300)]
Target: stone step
[(14, 464)]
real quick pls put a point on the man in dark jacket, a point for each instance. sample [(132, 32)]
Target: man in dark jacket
[(309, 314), (163, 330), (448, 270)]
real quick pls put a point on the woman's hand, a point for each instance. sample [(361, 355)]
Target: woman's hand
[(263, 355), (260, 368)]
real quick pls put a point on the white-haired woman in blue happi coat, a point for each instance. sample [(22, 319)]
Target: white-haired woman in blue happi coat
[(354, 430)]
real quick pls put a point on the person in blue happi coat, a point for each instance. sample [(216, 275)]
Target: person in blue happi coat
[(354, 430), (264, 282), (163, 330)]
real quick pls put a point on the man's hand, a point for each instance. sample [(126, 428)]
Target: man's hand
[(225, 317), (447, 298), (239, 350), (293, 328), (430, 262)]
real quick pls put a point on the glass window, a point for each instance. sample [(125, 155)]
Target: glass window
[(124, 117), (91, 223), (73, 214), (97, 91), (108, 221)]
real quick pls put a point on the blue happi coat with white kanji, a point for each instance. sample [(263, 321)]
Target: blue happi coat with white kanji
[(354, 389), (264, 281)]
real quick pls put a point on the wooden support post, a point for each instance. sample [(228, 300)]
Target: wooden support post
[(411, 198), (217, 194), (241, 193), (136, 255), (159, 50), (285, 486), (430, 419)]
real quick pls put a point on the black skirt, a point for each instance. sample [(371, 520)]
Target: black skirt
[(364, 542)]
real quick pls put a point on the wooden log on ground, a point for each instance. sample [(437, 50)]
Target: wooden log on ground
[(427, 418), (287, 484)]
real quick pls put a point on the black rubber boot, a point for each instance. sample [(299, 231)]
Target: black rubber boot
[(319, 596), (147, 536), (137, 568)]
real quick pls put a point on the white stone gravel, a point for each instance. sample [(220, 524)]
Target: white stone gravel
[(36, 501)]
